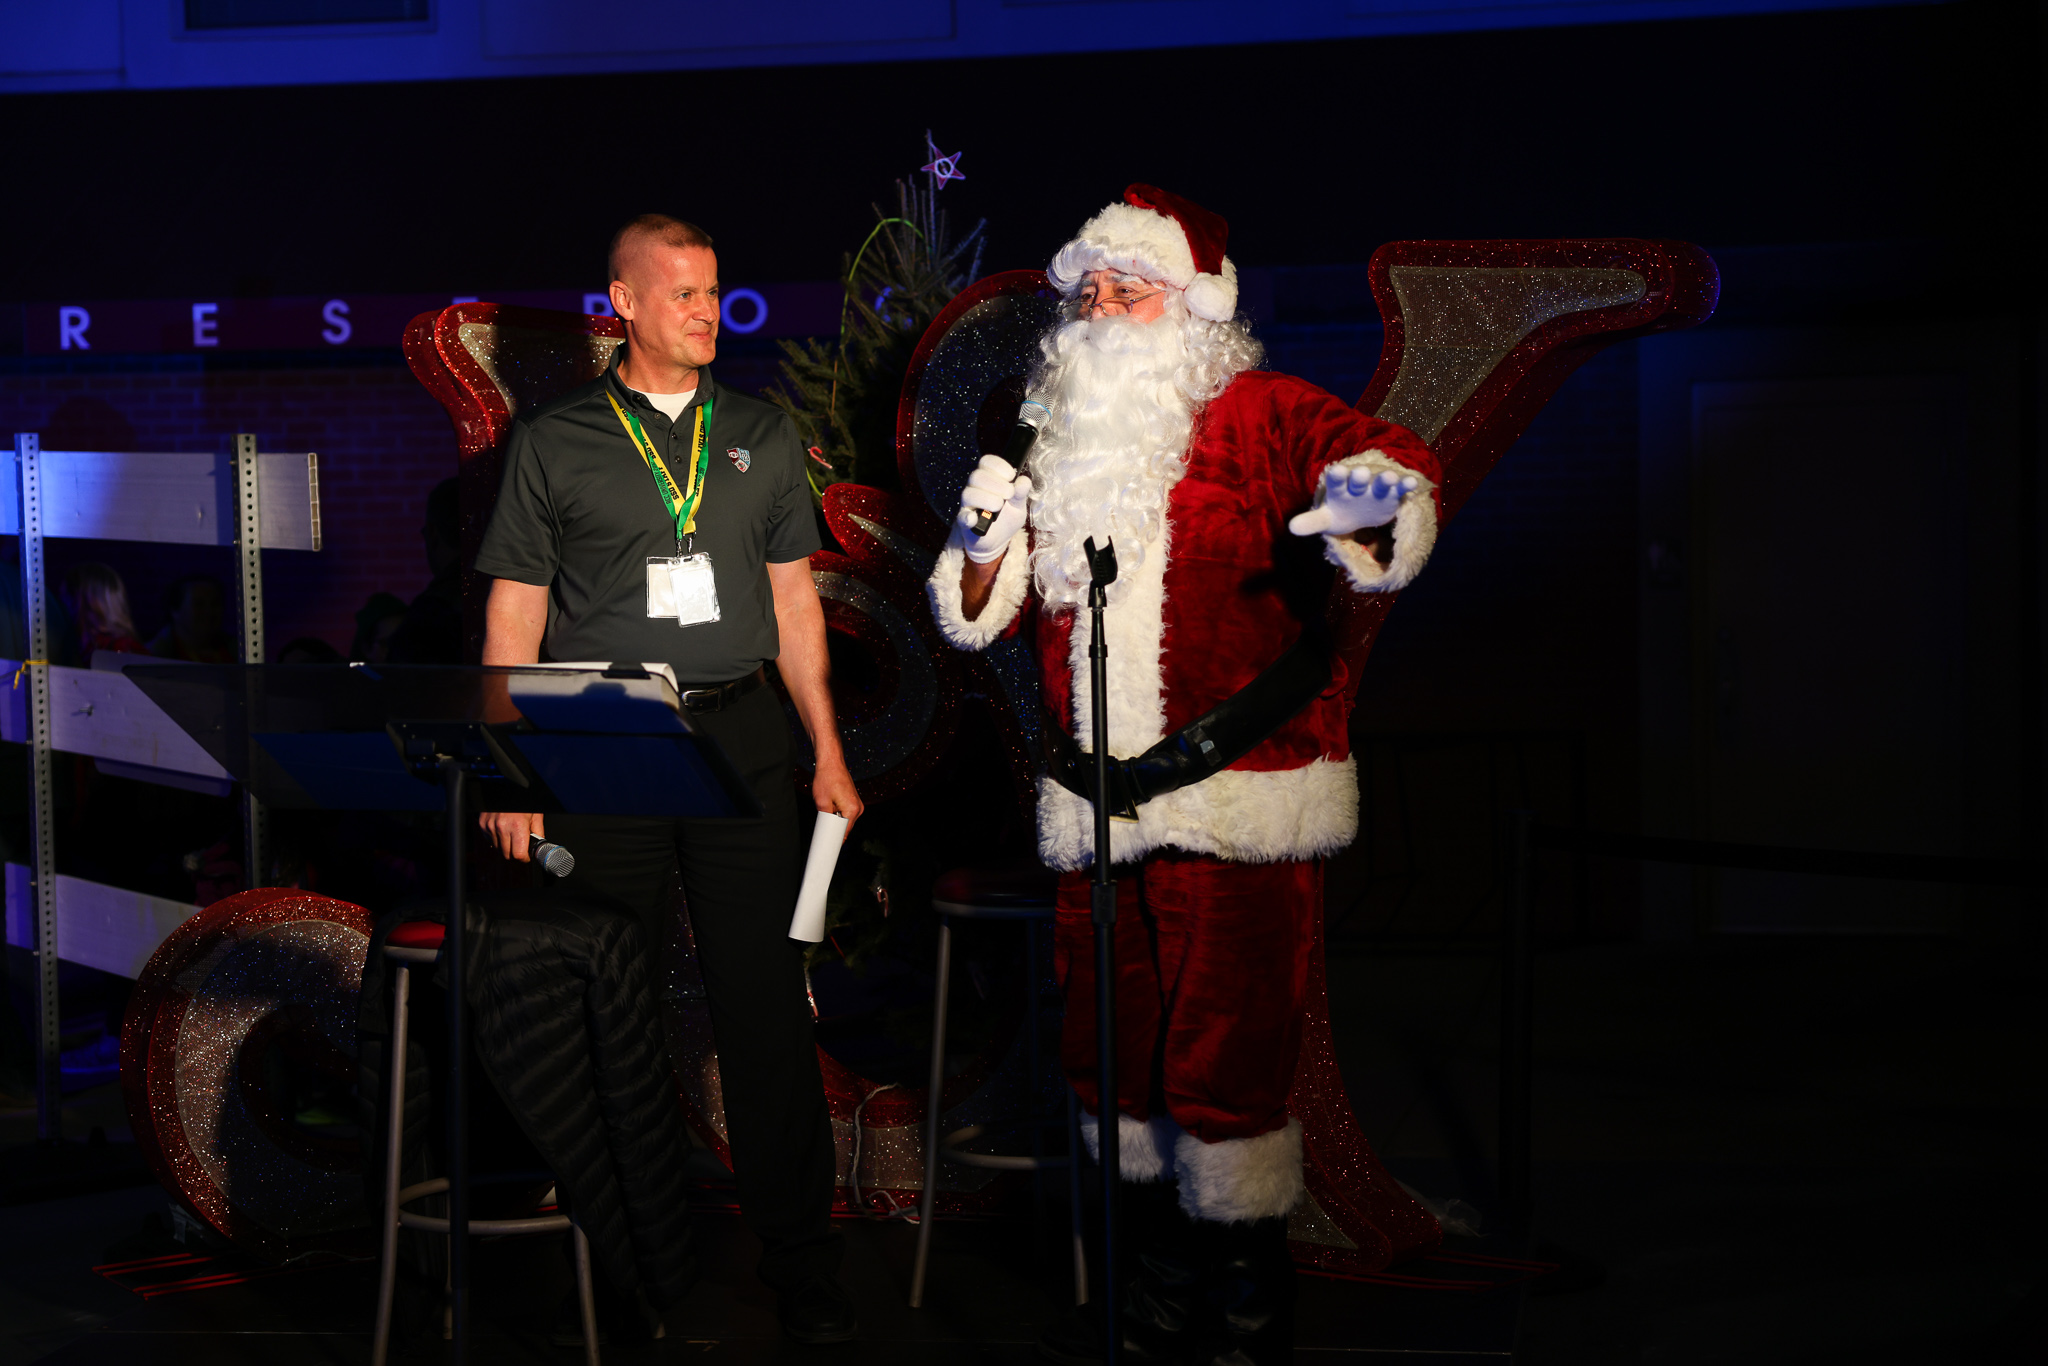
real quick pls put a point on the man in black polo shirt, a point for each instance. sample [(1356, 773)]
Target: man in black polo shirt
[(654, 516)]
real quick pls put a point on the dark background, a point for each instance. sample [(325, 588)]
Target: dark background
[(1776, 580), (1890, 123)]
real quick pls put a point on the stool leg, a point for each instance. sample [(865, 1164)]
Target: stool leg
[(932, 1106), (394, 1141), (586, 1296), (1074, 1150), (1036, 1116)]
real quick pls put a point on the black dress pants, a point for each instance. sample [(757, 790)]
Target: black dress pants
[(741, 878)]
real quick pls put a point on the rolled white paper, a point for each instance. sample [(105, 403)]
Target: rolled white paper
[(808, 924)]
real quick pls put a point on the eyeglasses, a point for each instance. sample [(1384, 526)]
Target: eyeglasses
[(1122, 299)]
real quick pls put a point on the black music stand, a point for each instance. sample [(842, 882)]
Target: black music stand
[(396, 737)]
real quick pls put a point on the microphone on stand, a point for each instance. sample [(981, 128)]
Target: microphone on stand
[(1030, 418), (553, 857)]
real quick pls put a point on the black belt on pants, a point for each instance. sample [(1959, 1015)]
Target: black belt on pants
[(718, 696), (1208, 744)]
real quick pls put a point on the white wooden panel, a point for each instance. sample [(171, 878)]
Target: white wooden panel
[(290, 488), (175, 498), (103, 714), (112, 929), (101, 927)]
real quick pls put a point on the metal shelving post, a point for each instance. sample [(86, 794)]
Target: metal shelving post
[(249, 586), (35, 672)]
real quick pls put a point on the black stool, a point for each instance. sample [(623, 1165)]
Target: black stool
[(420, 942), (1020, 894)]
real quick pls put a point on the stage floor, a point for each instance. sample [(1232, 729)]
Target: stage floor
[(1784, 1153), (987, 1294)]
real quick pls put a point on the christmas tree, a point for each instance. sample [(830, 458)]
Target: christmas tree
[(842, 392)]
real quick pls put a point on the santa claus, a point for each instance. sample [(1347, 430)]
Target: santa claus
[(1232, 496)]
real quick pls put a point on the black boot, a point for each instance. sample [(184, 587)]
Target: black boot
[(1251, 1291), (1161, 1284), (1162, 1276)]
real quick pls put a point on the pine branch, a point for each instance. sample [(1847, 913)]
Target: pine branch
[(841, 393)]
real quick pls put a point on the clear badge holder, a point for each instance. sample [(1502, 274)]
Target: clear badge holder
[(682, 588), (693, 589)]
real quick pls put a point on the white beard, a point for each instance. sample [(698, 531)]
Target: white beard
[(1124, 396)]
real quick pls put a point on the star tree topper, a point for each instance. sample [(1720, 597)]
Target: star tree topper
[(945, 167)]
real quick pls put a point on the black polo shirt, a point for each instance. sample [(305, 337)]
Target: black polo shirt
[(578, 513)]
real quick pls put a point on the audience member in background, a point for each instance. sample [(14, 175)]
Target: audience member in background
[(197, 631), (98, 603), (376, 622), (309, 650), (431, 632)]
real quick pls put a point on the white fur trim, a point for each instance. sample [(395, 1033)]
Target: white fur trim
[(1006, 599), (1152, 246), (1133, 627), (1414, 531), (1240, 1179), (1144, 1149), (1240, 815), (1143, 242)]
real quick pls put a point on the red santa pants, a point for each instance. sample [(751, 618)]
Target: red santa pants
[(1211, 964)]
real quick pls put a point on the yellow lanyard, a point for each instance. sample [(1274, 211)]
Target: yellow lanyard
[(680, 504)]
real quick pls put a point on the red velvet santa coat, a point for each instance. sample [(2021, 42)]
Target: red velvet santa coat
[(1222, 593)]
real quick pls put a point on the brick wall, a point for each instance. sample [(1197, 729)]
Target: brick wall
[(383, 443)]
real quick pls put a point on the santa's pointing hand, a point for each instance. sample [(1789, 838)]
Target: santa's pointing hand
[(1353, 500)]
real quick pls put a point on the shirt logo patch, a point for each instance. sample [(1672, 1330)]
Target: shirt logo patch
[(740, 457)]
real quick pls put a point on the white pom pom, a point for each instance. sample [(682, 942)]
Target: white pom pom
[(1213, 297)]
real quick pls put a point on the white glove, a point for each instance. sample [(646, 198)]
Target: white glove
[(1354, 499), (993, 487)]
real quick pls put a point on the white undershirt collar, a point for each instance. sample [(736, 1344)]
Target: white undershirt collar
[(670, 405)]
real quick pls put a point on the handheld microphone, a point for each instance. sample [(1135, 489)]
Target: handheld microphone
[(1030, 418), (553, 857)]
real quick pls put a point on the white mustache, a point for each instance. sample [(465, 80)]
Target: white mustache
[(1120, 336)]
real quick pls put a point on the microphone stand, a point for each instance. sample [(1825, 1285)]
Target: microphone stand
[(1101, 574)]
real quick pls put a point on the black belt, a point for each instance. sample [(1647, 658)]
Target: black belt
[(719, 696), (1208, 744)]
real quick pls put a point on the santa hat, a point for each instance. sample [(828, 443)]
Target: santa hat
[(1158, 236)]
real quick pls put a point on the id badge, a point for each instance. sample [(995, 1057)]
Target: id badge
[(693, 590), (661, 593)]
